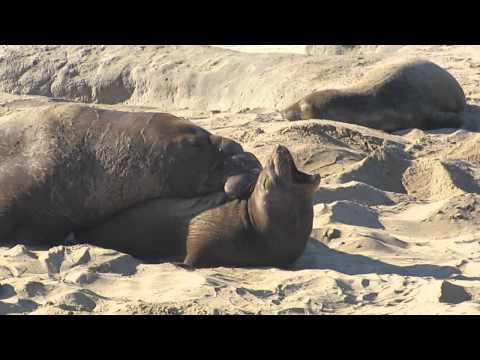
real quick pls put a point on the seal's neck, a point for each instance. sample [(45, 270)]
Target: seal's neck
[(248, 216)]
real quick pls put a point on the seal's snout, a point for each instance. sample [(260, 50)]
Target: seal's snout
[(282, 161), (281, 165), (292, 113)]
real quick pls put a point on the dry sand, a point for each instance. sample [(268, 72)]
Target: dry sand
[(267, 49), (397, 218)]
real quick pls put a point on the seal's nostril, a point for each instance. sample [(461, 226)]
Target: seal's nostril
[(281, 149)]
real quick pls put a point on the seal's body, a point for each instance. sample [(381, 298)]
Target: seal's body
[(65, 167), (401, 95), (268, 228)]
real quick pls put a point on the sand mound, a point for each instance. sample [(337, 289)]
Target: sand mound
[(460, 208), (354, 136), (354, 191), (325, 147), (433, 179), (412, 135), (314, 147), (382, 169), (370, 241), (466, 150), (346, 212)]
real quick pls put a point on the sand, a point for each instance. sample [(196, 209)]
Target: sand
[(397, 217)]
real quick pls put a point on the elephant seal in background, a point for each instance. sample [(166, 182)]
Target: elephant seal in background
[(401, 95), (269, 228), (66, 167)]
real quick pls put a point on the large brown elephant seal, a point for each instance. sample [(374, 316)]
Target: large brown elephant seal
[(269, 228), (400, 95), (65, 167)]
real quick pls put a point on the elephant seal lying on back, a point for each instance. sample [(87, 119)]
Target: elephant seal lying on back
[(269, 228), (66, 167), (402, 95)]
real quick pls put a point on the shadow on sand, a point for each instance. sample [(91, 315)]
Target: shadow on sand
[(320, 257)]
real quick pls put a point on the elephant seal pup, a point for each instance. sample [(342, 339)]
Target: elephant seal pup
[(269, 228), (64, 167), (401, 95)]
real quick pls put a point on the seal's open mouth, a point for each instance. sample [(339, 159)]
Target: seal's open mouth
[(284, 167)]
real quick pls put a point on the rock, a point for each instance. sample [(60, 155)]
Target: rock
[(453, 294), (331, 234), (75, 301)]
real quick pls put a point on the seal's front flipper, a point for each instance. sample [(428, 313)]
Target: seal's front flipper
[(242, 171), (240, 186)]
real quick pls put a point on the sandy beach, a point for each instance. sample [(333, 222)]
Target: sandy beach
[(397, 216)]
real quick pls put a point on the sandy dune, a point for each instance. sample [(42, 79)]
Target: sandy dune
[(397, 217)]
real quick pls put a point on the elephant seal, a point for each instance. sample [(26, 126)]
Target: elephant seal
[(400, 95), (268, 228), (64, 167)]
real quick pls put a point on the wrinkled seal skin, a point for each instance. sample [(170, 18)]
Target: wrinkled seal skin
[(65, 167), (270, 227), (413, 94)]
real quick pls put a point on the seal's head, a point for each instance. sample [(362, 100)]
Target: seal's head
[(324, 104), (296, 111), (281, 206)]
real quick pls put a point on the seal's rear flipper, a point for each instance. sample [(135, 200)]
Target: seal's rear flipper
[(445, 120), (471, 118), (184, 266)]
